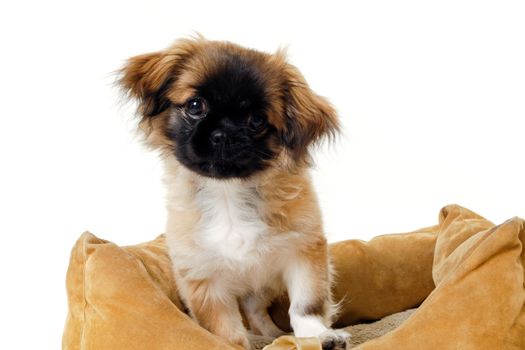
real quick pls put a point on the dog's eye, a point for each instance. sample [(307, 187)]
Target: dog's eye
[(196, 108), (257, 122)]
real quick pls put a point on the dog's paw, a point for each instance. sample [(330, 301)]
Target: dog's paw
[(334, 339)]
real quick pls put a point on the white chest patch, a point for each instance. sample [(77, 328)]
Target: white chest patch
[(230, 225)]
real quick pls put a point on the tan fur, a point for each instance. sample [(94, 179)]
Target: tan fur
[(286, 202)]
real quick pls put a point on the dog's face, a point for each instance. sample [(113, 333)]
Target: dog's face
[(224, 111), (222, 129)]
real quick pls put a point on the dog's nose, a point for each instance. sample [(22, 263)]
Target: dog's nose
[(217, 137)]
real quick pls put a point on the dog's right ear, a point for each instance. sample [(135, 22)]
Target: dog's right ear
[(148, 77)]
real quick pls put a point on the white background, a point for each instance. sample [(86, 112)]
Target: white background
[(431, 96)]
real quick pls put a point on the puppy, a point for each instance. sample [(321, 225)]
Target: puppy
[(234, 127)]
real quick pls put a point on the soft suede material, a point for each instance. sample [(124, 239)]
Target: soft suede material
[(468, 273), (125, 298), (479, 299)]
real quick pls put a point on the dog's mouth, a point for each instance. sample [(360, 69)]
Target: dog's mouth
[(232, 161), (232, 154), (224, 169)]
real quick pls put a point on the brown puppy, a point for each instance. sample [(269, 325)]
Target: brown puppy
[(234, 127)]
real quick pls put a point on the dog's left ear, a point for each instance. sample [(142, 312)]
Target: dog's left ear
[(309, 117)]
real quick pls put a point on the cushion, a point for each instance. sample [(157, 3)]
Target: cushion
[(465, 274)]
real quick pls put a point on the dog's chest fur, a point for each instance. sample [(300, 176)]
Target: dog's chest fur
[(230, 226), (229, 241)]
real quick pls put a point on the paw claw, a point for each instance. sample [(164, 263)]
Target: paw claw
[(334, 340)]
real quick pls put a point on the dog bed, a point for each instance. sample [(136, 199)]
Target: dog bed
[(465, 275)]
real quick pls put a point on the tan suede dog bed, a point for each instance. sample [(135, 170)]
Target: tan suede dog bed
[(465, 274)]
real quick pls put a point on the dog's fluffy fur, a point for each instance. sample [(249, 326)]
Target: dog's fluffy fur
[(243, 220)]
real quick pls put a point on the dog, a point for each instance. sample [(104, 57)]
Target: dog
[(235, 128)]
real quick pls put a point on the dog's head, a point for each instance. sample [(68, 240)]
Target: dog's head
[(225, 111)]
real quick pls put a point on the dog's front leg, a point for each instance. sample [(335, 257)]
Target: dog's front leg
[(308, 282), (216, 310)]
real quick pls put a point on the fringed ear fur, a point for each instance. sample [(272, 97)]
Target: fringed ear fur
[(309, 117), (148, 77)]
